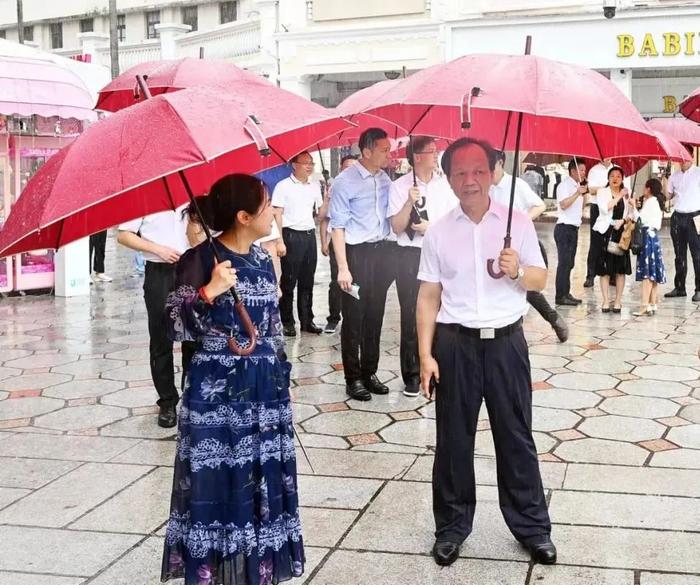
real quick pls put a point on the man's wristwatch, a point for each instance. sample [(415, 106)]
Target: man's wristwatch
[(521, 273)]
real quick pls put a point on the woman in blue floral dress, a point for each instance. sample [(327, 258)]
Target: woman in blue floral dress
[(234, 517)]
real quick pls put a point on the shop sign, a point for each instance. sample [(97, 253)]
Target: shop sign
[(668, 44)]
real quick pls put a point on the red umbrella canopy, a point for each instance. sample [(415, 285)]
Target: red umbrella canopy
[(681, 129), (565, 108), (690, 106), (172, 75), (128, 165)]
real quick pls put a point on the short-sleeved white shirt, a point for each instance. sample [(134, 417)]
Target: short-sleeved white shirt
[(525, 198), (686, 189), (439, 199), (165, 228), (298, 200), (455, 251), (571, 215)]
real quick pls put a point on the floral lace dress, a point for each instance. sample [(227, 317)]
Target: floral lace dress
[(233, 517)]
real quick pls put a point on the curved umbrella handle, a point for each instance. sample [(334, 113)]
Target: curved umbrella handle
[(493, 273), (249, 329)]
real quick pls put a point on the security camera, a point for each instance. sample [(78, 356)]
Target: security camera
[(609, 8)]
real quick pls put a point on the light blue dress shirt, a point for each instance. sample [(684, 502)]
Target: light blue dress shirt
[(359, 205)]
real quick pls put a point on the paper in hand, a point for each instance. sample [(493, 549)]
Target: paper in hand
[(354, 291)]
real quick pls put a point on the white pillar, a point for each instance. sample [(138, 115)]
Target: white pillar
[(92, 42), (622, 78), (269, 14), (169, 34), (71, 269), (298, 85)]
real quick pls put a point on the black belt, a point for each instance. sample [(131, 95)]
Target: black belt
[(484, 332), (686, 212), (311, 231)]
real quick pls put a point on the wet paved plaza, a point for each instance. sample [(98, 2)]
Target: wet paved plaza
[(85, 472)]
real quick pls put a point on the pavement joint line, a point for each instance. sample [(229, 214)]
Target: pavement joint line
[(115, 561)]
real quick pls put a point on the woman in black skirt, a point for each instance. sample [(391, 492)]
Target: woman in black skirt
[(614, 204)]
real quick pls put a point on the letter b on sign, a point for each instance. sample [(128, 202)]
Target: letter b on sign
[(625, 45)]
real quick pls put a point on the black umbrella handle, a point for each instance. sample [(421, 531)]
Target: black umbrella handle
[(497, 273)]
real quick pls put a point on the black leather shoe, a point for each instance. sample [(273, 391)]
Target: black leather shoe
[(357, 391), (542, 550), (675, 293), (566, 301), (167, 417), (289, 330), (312, 328), (696, 297), (573, 298), (331, 327), (375, 386), (561, 329), (588, 283), (445, 553)]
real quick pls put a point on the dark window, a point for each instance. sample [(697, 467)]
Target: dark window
[(152, 19), (56, 29), (189, 16), (3, 33), (228, 11), (28, 33), (87, 24), (121, 27)]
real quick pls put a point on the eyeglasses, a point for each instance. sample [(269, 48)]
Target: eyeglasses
[(309, 163)]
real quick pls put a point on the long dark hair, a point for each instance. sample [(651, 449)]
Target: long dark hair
[(228, 196), (610, 172), (656, 188)]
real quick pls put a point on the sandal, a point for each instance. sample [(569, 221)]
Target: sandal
[(605, 309), (648, 312), (617, 309)]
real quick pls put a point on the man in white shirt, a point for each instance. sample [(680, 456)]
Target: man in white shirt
[(570, 206), (684, 193), (526, 201), (162, 237), (472, 348), (295, 199), (411, 210), (597, 179)]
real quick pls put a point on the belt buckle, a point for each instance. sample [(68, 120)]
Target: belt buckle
[(488, 333)]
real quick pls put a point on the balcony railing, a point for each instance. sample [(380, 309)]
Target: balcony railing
[(132, 54), (228, 41)]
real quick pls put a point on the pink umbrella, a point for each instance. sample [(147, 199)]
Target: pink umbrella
[(31, 84), (690, 106), (681, 129), (172, 75)]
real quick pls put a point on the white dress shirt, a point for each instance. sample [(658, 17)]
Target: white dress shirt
[(455, 250), (165, 228), (685, 187), (525, 198), (597, 179), (572, 214), (439, 199), (651, 214), (298, 200)]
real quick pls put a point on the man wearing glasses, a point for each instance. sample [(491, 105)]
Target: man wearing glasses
[(415, 201), (295, 199)]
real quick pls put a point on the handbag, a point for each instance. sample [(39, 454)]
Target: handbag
[(637, 238), (626, 237), (614, 248)]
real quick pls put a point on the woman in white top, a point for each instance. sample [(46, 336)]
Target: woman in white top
[(614, 205), (650, 262)]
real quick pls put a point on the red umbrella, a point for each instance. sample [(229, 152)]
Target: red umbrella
[(681, 129), (172, 75), (690, 106)]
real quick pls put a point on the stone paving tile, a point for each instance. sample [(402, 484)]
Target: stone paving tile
[(140, 508), (400, 520), (686, 436), (129, 373), (601, 451), (325, 526), (417, 432), (668, 359), (141, 427), (148, 452), (691, 413), (67, 552), (317, 491), (561, 398), (392, 402), (319, 394), (654, 388), (92, 368), (561, 575), (636, 344), (81, 417), (668, 579), (10, 495), (67, 498), (552, 419), (626, 548), (355, 463), (324, 441), (82, 389), (361, 568), (32, 473), (32, 381), (622, 428), (346, 423), (640, 406), (576, 381), (6, 373), (665, 372), (65, 447), (678, 458), (140, 566), (132, 397), (679, 348), (32, 579), (390, 448), (41, 361), (624, 510), (547, 362)]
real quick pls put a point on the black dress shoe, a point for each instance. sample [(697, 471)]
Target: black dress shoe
[(588, 283), (357, 391), (445, 553), (696, 297), (312, 328), (561, 329), (675, 293), (331, 327), (289, 330), (542, 550), (573, 298), (375, 386), (566, 301), (167, 417), (412, 389)]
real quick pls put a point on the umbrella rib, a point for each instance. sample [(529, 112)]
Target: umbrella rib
[(595, 139), (423, 115), (505, 134), (167, 190)]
